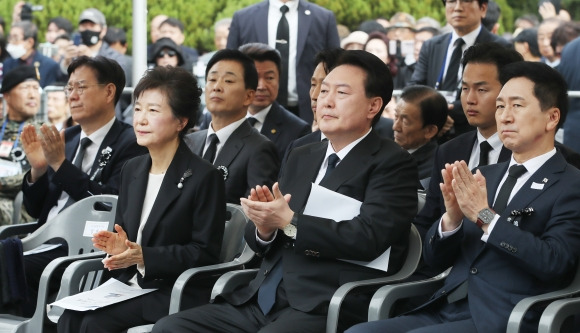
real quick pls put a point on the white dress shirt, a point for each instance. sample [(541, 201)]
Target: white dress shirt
[(493, 155), (223, 135), (91, 152), (260, 117), (274, 16)]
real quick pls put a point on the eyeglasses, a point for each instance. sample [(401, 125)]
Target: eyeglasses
[(79, 87), (452, 3), (170, 53)]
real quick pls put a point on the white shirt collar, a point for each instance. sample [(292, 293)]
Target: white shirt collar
[(292, 4), (260, 115), (224, 133), (532, 165), (98, 136), (469, 38), (493, 141), (344, 151)]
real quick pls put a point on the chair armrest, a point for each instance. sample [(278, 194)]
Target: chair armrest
[(340, 294), (43, 289), (205, 271), (554, 315), (525, 304), (17, 229), (383, 300), (71, 278), (232, 280)]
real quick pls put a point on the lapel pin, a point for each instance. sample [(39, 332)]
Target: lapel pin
[(186, 174), (545, 180), (307, 12), (224, 171), (273, 131)]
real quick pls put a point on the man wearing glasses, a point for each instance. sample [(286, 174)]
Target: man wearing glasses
[(82, 161), (440, 57)]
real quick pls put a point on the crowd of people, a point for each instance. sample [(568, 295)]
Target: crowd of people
[(288, 112)]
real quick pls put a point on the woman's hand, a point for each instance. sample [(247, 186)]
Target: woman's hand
[(111, 242), (133, 255)]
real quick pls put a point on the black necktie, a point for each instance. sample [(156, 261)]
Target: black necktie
[(450, 82), (484, 149), (78, 162), (506, 189), (212, 148), (332, 161), (252, 121), (283, 46)]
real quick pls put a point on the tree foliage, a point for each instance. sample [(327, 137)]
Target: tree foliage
[(199, 16)]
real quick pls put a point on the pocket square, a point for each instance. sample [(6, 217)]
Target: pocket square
[(536, 186)]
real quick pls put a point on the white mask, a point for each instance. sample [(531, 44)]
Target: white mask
[(15, 51)]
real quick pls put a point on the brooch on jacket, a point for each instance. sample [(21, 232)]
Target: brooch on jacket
[(186, 175), (104, 159), (224, 171), (517, 214)]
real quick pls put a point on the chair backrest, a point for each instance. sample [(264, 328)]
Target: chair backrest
[(17, 207), (421, 197), (76, 224), (413, 255), (233, 244)]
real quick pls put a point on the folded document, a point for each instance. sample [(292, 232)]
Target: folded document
[(325, 203)]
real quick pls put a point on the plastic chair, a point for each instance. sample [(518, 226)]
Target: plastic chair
[(408, 268), (67, 225), (232, 280), (17, 207), (556, 313), (381, 305), (519, 311), (234, 254)]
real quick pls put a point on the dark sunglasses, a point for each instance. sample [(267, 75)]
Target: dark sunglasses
[(170, 53)]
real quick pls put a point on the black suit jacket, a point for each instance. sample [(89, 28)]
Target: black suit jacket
[(316, 32), (428, 68), (249, 158), (454, 150), (376, 172), (282, 127), (524, 255), (185, 226), (424, 157), (40, 197)]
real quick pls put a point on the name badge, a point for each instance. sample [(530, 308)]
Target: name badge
[(6, 148)]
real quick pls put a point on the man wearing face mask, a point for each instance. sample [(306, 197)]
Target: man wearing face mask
[(22, 43), (92, 29)]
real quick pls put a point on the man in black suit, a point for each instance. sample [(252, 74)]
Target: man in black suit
[(270, 118), (244, 156), (62, 170), (510, 230), (480, 84), (419, 116), (311, 28), (439, 68), (301, 266)]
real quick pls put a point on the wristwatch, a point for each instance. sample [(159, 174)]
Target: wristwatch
[(485, 216), (290, 230)]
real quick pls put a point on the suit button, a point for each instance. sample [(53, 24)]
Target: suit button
[(266, 272), (286, 245), (514, 250), (307, 252), (502, 244), (473, 270), (443, 292)]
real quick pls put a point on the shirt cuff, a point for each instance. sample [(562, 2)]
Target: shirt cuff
[(445, 234), (485, 236), (263, 242)]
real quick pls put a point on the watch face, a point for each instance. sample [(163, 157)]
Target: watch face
[(486, 215)]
